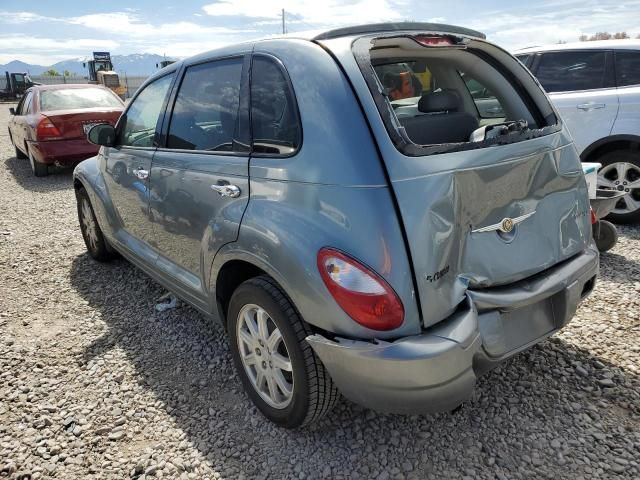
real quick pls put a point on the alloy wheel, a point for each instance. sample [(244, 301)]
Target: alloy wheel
[(622, 177), (89, 224), (264, 356)]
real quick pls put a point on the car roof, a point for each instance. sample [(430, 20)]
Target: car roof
[(627, 44)]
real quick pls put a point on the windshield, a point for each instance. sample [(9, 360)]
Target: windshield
[(78, 98)]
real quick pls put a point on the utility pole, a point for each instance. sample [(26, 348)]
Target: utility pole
[(283, 31)]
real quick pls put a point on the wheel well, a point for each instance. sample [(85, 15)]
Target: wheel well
[(611, 146), (230, 276), (77, 184)]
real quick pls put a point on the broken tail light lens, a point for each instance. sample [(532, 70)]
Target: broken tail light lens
[(363, 294), (46, 130)]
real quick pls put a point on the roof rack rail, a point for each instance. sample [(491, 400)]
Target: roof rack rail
[(397, 27)]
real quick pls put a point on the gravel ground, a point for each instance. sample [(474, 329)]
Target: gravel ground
[(95, 384)]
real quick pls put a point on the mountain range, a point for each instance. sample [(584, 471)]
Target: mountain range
[(133, 64)]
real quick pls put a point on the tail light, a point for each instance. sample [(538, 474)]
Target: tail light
[(46, 130), (594, 220), (363, 294)]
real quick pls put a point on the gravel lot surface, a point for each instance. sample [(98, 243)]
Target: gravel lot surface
[(95, 384)]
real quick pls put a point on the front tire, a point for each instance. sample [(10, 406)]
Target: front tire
[(278, 368), (38, 169), (91, 233), (621, 172), (19, 154)]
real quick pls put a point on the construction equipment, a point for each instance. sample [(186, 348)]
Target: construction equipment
[(101, 73), (16, 84), (164, 63)]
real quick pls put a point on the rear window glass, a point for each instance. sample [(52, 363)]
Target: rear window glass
[(77, 98), (447, 98), (570, 71), (628, 68)]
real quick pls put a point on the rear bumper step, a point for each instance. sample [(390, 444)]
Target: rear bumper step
[(437, 370)]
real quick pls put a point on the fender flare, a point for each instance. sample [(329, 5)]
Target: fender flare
[(607, 140)]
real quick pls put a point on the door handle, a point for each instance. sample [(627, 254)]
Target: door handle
[(141, 173), (226, 190), (591, 106)]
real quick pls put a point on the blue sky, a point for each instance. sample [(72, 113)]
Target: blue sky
[(45, 32)]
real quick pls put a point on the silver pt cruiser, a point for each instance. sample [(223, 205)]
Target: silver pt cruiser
[(386, 211)]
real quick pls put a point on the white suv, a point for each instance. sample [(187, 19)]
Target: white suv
[(596, 88)]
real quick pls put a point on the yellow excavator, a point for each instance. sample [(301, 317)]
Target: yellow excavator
[(101, 73)]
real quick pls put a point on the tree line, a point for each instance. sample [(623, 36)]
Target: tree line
[(605, 36)]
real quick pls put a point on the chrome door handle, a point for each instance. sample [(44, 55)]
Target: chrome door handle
[(591, 106), (141, 173), (226, 190)]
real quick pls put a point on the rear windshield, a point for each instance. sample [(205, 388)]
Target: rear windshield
[(446, 97), (77, 98)]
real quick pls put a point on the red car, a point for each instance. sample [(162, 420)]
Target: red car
[(50, 123)]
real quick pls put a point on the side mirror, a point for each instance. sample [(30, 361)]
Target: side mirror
[(103, 134), (12, 110)]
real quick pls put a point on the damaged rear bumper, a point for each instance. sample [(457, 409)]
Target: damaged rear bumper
[(437, 370)]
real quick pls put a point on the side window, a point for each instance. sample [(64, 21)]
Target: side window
[(525, 58), (569, 71), (205, 115), (24, 103), (486, 102), (274, 119), (139, 127), (28, 104), (627, 68)]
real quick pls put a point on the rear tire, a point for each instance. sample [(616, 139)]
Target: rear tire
[(38, 169), (313, 393), (608, 175), (94, 240)]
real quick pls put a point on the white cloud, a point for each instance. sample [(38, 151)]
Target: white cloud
[(312, 12), (45, 51), (20, 17), (558, 21)]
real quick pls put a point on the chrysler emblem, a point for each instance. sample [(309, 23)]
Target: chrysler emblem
[(506, 225)]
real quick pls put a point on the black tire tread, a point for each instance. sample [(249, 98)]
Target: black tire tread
[(104, 252), (323, 394)]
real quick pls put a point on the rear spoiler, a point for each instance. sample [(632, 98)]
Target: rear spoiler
[(398, 27)]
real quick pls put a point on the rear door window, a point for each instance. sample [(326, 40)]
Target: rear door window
[(141, 119), (274, 114), (205, 115), (24, 104), (572, 71), (627, 68), (486, 102)]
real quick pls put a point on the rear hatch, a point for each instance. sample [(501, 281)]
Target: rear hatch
[(488, 195)]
